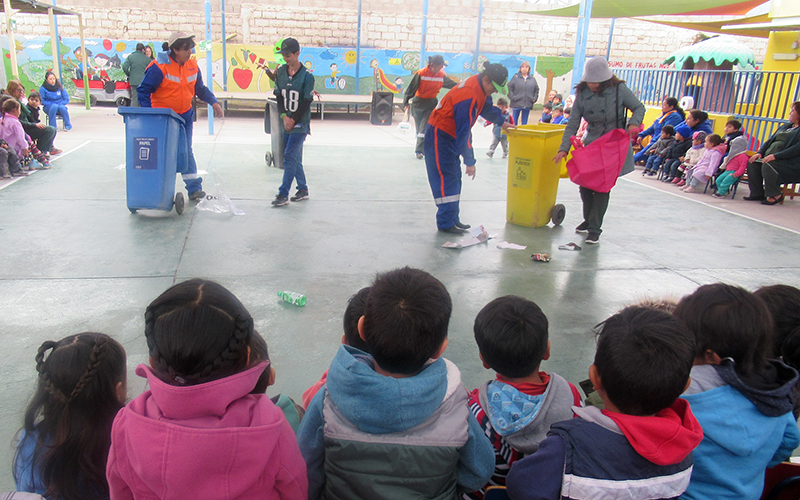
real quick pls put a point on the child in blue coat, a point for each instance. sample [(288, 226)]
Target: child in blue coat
[(55, 100)]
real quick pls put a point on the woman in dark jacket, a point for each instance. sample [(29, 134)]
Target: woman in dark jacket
[(601, 99), (777, 162), (523, 91)]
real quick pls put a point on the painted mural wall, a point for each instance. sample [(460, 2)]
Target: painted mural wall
[(334, 68)]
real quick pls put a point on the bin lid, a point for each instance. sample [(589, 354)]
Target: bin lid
[(542, 130), (129, 110)]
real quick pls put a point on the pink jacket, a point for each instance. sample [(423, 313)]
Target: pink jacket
[(203, 442), (738, 163), (11, 131), (709, 163)]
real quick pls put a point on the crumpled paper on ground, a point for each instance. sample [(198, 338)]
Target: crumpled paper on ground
[(478, 235), (510, 246)]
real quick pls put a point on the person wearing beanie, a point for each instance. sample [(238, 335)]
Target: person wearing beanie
[(672, 159), (603, 100), (172, 83), (448, 138), (424, 89)]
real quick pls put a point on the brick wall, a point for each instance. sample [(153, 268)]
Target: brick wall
[(386, 24)]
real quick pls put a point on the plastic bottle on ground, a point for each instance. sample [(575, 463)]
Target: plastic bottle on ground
[(295, 298)]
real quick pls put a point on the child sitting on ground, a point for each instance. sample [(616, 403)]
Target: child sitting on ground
[(353, 312), (547, 109), (742, 399), (517, 408), (558, 115), (395, 424), (672, 158), (67, 433), (199, 431), (707, 165), (690, 159), (734, 165), (497, 130), (641, 444), (783, 302), (656, 154)]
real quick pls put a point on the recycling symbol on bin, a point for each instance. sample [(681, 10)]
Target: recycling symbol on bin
[(521, 175)]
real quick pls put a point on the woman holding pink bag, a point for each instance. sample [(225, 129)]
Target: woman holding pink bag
[(603, 100)]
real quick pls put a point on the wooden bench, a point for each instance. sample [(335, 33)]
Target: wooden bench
[(320, 101)]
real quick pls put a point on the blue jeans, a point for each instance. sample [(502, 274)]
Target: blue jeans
[(640, 156), (525, 112), (671, 168), (653, 162), (54, 110), (293, 163), (193, 181)]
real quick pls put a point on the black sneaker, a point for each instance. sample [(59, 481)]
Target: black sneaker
[(300, 195), (452, 230), (280, 201), (583, 227), (420, 156), (197, 195), (593, 238), (462, 226)]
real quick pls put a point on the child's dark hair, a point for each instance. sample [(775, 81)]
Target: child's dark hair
[(559, 97), (669, 130), (644, 358), (165, 46), (714, 139), (35, 95), (197, 331), (558, 108), (731, 322), (259, 353), (547, 105), (71, 413), (10, 105), (502, 101), (405, 319), (511, 333), (783, 302), (736, 124), (353, 312), (567, 111)]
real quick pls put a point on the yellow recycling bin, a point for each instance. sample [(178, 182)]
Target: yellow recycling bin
[(532, 175)]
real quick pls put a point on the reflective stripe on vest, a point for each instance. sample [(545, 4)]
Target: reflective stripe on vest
[(429, 83), (177, 88)]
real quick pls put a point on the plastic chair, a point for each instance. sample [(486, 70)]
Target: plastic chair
[(496, 493), (59, 118), (782, 482)]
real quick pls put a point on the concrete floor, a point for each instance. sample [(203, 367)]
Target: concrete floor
[(77, 260)]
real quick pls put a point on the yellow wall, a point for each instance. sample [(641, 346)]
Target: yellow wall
[(780, 42)]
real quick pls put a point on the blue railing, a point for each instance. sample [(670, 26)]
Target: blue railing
[(760, 99)]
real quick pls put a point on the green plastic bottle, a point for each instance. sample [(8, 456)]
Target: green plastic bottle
[(295, 298)]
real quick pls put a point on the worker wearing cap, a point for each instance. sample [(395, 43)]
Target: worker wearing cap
[(424, 89), (449, 136), (172, 83)]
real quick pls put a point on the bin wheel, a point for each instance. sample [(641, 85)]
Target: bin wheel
[(92, 101), (133, 210), (269, 159), (180, 202), (123, 101), (557, 214)]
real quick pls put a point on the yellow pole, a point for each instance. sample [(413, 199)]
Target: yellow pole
[(12, 45), (54, 46), (83, 60)]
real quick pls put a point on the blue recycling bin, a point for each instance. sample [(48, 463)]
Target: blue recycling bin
[(155, 152)]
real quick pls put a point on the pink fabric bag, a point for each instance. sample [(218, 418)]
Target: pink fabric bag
[(598, 165)]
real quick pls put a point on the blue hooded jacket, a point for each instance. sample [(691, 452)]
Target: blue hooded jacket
[(747, 425)]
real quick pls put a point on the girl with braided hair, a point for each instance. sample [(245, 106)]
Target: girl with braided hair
[(67, 433), (199, 432)]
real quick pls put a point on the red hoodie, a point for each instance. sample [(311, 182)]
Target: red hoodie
[(665, 438)]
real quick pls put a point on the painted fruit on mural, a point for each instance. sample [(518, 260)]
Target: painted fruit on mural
[(242, 77)]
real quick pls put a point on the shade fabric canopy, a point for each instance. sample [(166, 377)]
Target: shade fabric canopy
[(638, 8), (718, 50), (34, 7), (751, 26)]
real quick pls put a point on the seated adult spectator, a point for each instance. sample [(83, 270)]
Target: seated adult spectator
[(55, 100), (671, 114), (777, 162), (697, 120), (44, 135)]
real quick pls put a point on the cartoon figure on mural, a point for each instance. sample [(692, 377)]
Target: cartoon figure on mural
[(382, 82), (333, 82)]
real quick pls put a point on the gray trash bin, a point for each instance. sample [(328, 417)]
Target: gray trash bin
[(273, 122)]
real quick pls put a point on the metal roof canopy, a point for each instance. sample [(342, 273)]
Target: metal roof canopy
[(13, 7)]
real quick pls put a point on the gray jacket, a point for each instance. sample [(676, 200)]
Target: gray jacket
[(600, 113), (522, 92)]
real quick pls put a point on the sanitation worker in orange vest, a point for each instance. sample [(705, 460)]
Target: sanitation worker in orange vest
[(424, 88), (448, 138), (171, 82)]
